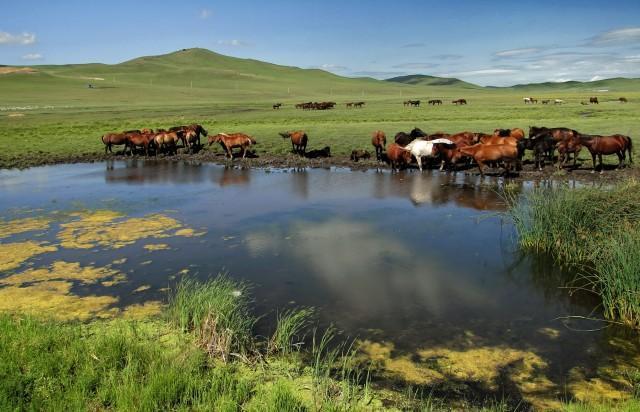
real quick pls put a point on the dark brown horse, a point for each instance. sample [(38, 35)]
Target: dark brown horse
[(622, 99), (459, 101), (517, 133), (360, 154), (397, 156), (593, 100), (113, 139), (379, 141), (277, 106), (299, 140), (607, 145)]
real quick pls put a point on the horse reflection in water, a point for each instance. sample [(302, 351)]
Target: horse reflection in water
[(439, 190), (138, 171), (232, 176)]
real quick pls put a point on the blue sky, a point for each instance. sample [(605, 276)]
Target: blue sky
[(484, 42)]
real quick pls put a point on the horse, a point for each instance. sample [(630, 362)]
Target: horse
[(379, 141), (607, 145), (526, 100), (406, 103), (517, 133), (277, 106), (558, 101), (361, 104), (229, 141), (113, 139), (359, 154), (534, 100), (167, 142), (324, 152), (493, 139), (593, 100), (459, 101), (557, 134), (350, 104), (424, 148), (546, 101), (565, 148), (622, 99), (397, 156), (415, 103), (404, 139), (435, 101), (134, 140), (299, 140), (498, 153)]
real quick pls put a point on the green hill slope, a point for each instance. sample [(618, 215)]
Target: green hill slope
[(617, 84), (425, 80)]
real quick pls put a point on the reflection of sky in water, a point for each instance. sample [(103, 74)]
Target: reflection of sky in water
[(418, 256)]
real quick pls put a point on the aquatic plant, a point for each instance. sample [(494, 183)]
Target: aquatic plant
[(290, 330)]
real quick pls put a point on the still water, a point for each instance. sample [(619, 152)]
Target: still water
[(419, 260)]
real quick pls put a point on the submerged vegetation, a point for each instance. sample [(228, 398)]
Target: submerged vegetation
[(595, 231)]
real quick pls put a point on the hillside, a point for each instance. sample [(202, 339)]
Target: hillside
[(425, 80), (617, 84), (188, 75)]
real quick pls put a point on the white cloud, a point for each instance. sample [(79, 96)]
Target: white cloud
[(32, 56), (517, 52), (481, 72), (415, 66), (329, 66), (21, 39), (233, 43), (614, 37), (596, 78), (205, 14)]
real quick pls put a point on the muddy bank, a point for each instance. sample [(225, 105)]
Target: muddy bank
[(288, 161)]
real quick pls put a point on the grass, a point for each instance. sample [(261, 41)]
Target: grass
[(290, 330), (59, 117), (592, 229)]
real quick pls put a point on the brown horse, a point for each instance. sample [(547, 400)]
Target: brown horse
[(358, 154), (499, 140), (565, 148), (497, 153), (299, 140), (230, 141), (379, 141), (277, 106), (166, 142), (516, 133), (459, 101), (134, 140), (360, 104), (622, 99), (113, 139), (607, 145), (593, 100), (397, 156)]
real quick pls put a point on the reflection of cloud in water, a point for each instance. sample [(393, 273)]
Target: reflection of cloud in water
[(372, 272)]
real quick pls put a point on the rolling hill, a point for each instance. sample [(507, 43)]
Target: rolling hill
[(426, 80)]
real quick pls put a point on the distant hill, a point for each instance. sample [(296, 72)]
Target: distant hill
[(425, 80), (616, 84)]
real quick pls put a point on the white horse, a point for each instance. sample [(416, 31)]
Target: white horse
[(423, 148), (527, 100), (558, 101)]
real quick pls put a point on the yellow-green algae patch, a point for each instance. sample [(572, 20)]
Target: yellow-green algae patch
[(156, 246), (143, 310), (54, 299), (483, 364), (12, 255), (141, 288), (107, 228), (12, 227), (188, 232), (60, 270)]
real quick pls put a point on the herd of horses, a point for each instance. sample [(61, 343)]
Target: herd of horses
[(505, 148), (315, 105)]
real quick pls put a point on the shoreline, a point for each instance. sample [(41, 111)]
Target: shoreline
[(265, 161)]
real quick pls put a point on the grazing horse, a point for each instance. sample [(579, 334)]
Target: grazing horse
[(359, 154), (414, 103), (459, 101), (361, 104), (593, 100), (607, 145), (299, 140), (546, 101), (350, 104), (113, 139), (277, 105), (406, 103), (497, 153), (424, 148), (397, 156), (229, 141), (435, 101), (379, 141), (558, 101), (622, 99), (527, 100)]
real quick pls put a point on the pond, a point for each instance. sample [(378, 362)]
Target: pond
[(422, 269)]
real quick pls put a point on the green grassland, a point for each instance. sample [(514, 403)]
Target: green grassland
[(52, 112)]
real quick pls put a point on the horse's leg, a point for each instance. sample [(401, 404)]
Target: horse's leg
[(601, 164), (419, 160), (480, 167), (620, 159), (244, 151), (593, 158)]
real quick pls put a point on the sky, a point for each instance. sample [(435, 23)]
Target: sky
[(496, 43)]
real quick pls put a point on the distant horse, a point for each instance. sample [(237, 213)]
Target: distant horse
[(527, 100), (415, 103), (546, 101), (622, 99), (277, 106), (230, 141), (593, 100), (350, 104), (558, 101), (435, 101), (299, 140), (361, 104), (459, 101), (607, 145), (379, 141)]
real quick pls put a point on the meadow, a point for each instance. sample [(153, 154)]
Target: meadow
[(52, 116)]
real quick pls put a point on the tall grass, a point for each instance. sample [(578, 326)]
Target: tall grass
[(290, 330), (218, 312), (594, 230)]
